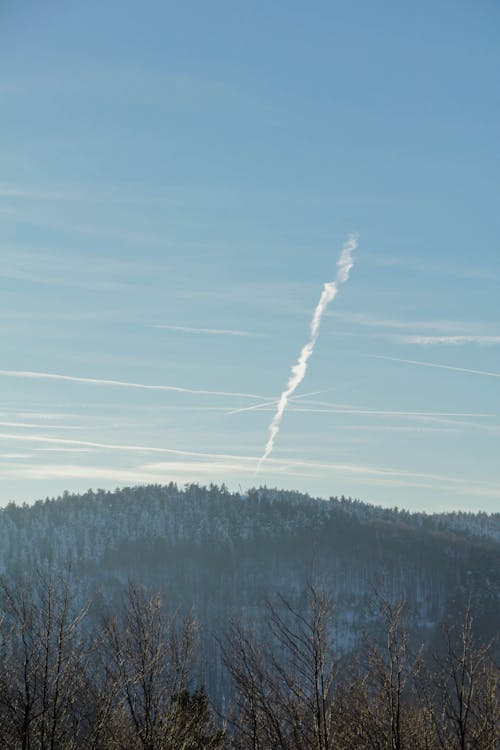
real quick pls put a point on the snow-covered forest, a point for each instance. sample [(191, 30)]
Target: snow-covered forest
[(270, 619), (222, 554)]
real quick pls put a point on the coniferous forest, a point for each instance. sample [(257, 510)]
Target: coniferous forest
[(159, 617)]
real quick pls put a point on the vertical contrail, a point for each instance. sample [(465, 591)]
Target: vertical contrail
[(344, 265)]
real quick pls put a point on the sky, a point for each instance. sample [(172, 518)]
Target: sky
[(177, 181)]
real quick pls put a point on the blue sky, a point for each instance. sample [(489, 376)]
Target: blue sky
[(176, 183)]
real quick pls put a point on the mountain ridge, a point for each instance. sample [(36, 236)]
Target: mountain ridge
[(223, 554)]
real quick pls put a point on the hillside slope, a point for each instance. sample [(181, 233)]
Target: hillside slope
[(222, 554)]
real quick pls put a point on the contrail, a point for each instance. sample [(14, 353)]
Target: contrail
[(123, 384), (486, 373), (267, 404), (209, 331), (330, 289)]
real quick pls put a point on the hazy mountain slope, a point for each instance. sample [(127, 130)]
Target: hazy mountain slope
[(223, 553)]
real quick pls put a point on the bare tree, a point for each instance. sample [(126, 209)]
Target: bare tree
[(284, 686), (66, 684), (42, 664), (465, 701), (385, 714), (148, 663)]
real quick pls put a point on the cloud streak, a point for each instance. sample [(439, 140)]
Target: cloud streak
[(209, 464), (208, 331), (43, 426), (265, 405), (428, 267), (374, 321), (121, 447), (123, 384), (485, 373), (313, 405), (453, 340), (330, 290), (388, 413), (28, 263)]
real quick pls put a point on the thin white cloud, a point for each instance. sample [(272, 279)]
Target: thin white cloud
[(453, 340), (208, 331), (457, 424), (44, 426), (388, 412), (284, 296), (61, 449), (299, 369), (40, 415), (179, 471), (416, 429), (123, 384), (60, 268), (333, 408), (119, 446), (267, 405), (467, 488), (46, 278), (371, 320), (485, 373), (430, 267), (443, 332), (212, 466)]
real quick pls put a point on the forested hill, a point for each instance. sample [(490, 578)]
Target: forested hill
[(222, 553)]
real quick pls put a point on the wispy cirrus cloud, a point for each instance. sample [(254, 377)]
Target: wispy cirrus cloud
[(21, 415), (326, 407), (179, 471), (59, 268), (431, 267), (63, 449), (463, 425), (420, 340), (128, 448), (423, 332), (372, 320), (32, 425), (387, 412), (485, 373), (186, 464), (207, 331), (267, 405)]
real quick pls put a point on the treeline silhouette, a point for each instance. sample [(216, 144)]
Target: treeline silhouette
[(124, 677)]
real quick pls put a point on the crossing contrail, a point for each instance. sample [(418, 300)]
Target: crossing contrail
[(486, 373), (330, 290), (123, 384)]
